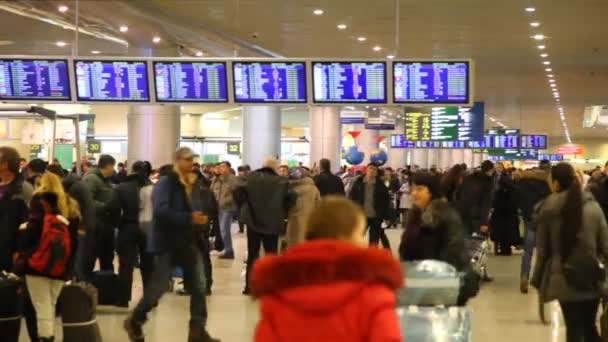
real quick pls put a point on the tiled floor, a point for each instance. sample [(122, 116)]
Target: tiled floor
[(500, 312)]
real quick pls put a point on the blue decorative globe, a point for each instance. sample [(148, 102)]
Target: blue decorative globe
[(378, 157), (353, 156)]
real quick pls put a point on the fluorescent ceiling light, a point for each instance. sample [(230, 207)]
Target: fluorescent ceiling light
[(361, 39), (377, 48), (342, 27), (541, 47), (535, 24), (544, 55), (95, 52), (124, 28), (63, 8), (156, 40), (530, 9), (546, 62), (538, 37), (199, 53), (60, 44), (318, 11), (548, 70), (390, 56)]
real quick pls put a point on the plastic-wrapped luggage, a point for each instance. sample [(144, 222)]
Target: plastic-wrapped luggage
[(78, 303), (476, 247), (429, 283), (10, 307), (435, 324)]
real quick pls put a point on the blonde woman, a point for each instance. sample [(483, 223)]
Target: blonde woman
[(47, 246)]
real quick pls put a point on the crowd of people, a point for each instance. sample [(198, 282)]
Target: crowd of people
[(312, 220)]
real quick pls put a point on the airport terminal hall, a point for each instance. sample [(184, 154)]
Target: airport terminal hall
[(303, 171)]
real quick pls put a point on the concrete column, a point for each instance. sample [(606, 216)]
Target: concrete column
[(366, 142), (420, 157), (433, 157), (477, 159), (261, 134), (468, 158), (457, 156), (153, 133), (397, 157), (325, 135), (445, 158)]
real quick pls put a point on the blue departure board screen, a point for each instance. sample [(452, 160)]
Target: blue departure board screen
[(505, 141), (454, 144), (398, 141), (105, 80), (268, 82), (34, 79), (534, 141), (432, 82), (551, 157), (344, 82), (176, 81)]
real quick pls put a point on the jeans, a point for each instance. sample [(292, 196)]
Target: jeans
[(376, 233), (44, 293), (131, 243), (85, 256), (529, 244), (194, 282), (225, 218), (580, 320), (254, 241)]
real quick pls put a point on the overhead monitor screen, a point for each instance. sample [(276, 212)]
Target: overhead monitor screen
[(399, 141), (534, 141), (104, 80), (446, 124), (513, 154), (432, 82), (505, 141), (190, 81), (34, 79), (453, 144), (268, 82), (487, 142), (428, 144), (551, 157), (340, 82), (502, 131), (595, 117)]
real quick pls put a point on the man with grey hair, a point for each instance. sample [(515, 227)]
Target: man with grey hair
[(265, 199)]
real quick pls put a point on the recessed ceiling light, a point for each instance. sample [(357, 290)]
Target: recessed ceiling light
[(535, 24), (60, 44), (538, 37), (63, 8), (361, 39), (318, 11), (550, 75), (530, 9), (546, 62), (541, 47), (342, 27), (377, 48), (544, 55), (390, 56), (95, 52), (199, 53), (552, 85), (548, 70), (156, 40)]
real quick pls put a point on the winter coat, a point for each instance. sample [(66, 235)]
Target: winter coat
[(308, 198), (405, 201), (473, 201), (600, 192), (329, 184), (327, 290), (223, 188), (80, 192), (548, 276), (13, 212), (29, 238), (128, 202), (104, 198), (381, 196), (265, 199), (532, 188), (435, 233)]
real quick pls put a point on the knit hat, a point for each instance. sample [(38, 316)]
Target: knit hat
[(430, 181)]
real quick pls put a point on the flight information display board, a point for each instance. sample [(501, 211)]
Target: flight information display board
[(505, 141), (502, 131), (446, 124), (105, 80), (454, 144), (34, 79), (551, 157), (269, 82), (343, 82), (190, 81), (534, 141), (432, 82), (399, 141), (513, 154)]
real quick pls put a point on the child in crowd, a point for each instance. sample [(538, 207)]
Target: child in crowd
[(331, 287)]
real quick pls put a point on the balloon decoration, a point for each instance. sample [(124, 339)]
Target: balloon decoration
[(353, 156), (378, 157), (354, 134), (379, 138)]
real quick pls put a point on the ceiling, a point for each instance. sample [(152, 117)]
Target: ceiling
[(510, 77)]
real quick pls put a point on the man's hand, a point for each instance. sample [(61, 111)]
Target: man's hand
[(484, 229), (199, 218)]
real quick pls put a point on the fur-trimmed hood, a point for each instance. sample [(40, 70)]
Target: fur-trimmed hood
[(341, 268), (434, 213)]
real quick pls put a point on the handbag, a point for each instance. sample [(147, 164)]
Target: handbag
[(583, 271)]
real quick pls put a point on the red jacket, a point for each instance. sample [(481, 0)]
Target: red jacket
[(326, 291)]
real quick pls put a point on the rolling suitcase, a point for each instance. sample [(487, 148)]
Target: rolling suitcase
[(429, 283), (78, 303), (431, 324), (10, 307), (106, 283), (476, 247)]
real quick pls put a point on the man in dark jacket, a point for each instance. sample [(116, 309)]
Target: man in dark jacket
[(174, 239), (35, 168), (98, 182), (473, 199), (266, 199), (372, 195), (131, 240), (327, 182)]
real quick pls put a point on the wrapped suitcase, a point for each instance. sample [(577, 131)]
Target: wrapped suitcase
[(78, 303), (476, 247), (432, 324), (106, 283), (429, 283), (10, 307)]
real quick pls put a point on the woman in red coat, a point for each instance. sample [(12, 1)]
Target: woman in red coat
[(330, 288)]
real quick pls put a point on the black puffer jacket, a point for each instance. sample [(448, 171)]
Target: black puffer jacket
[(381, 196), (473, 201), (435, 233), (13, 212), (532, 188), (329, 184), (127, 200)]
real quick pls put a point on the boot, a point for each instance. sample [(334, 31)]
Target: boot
[(523, 285), (198, 333), (134, 329)]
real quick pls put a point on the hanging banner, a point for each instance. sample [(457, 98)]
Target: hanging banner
[(352, 117), (570, 149), (384, 124), (234, 148)]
